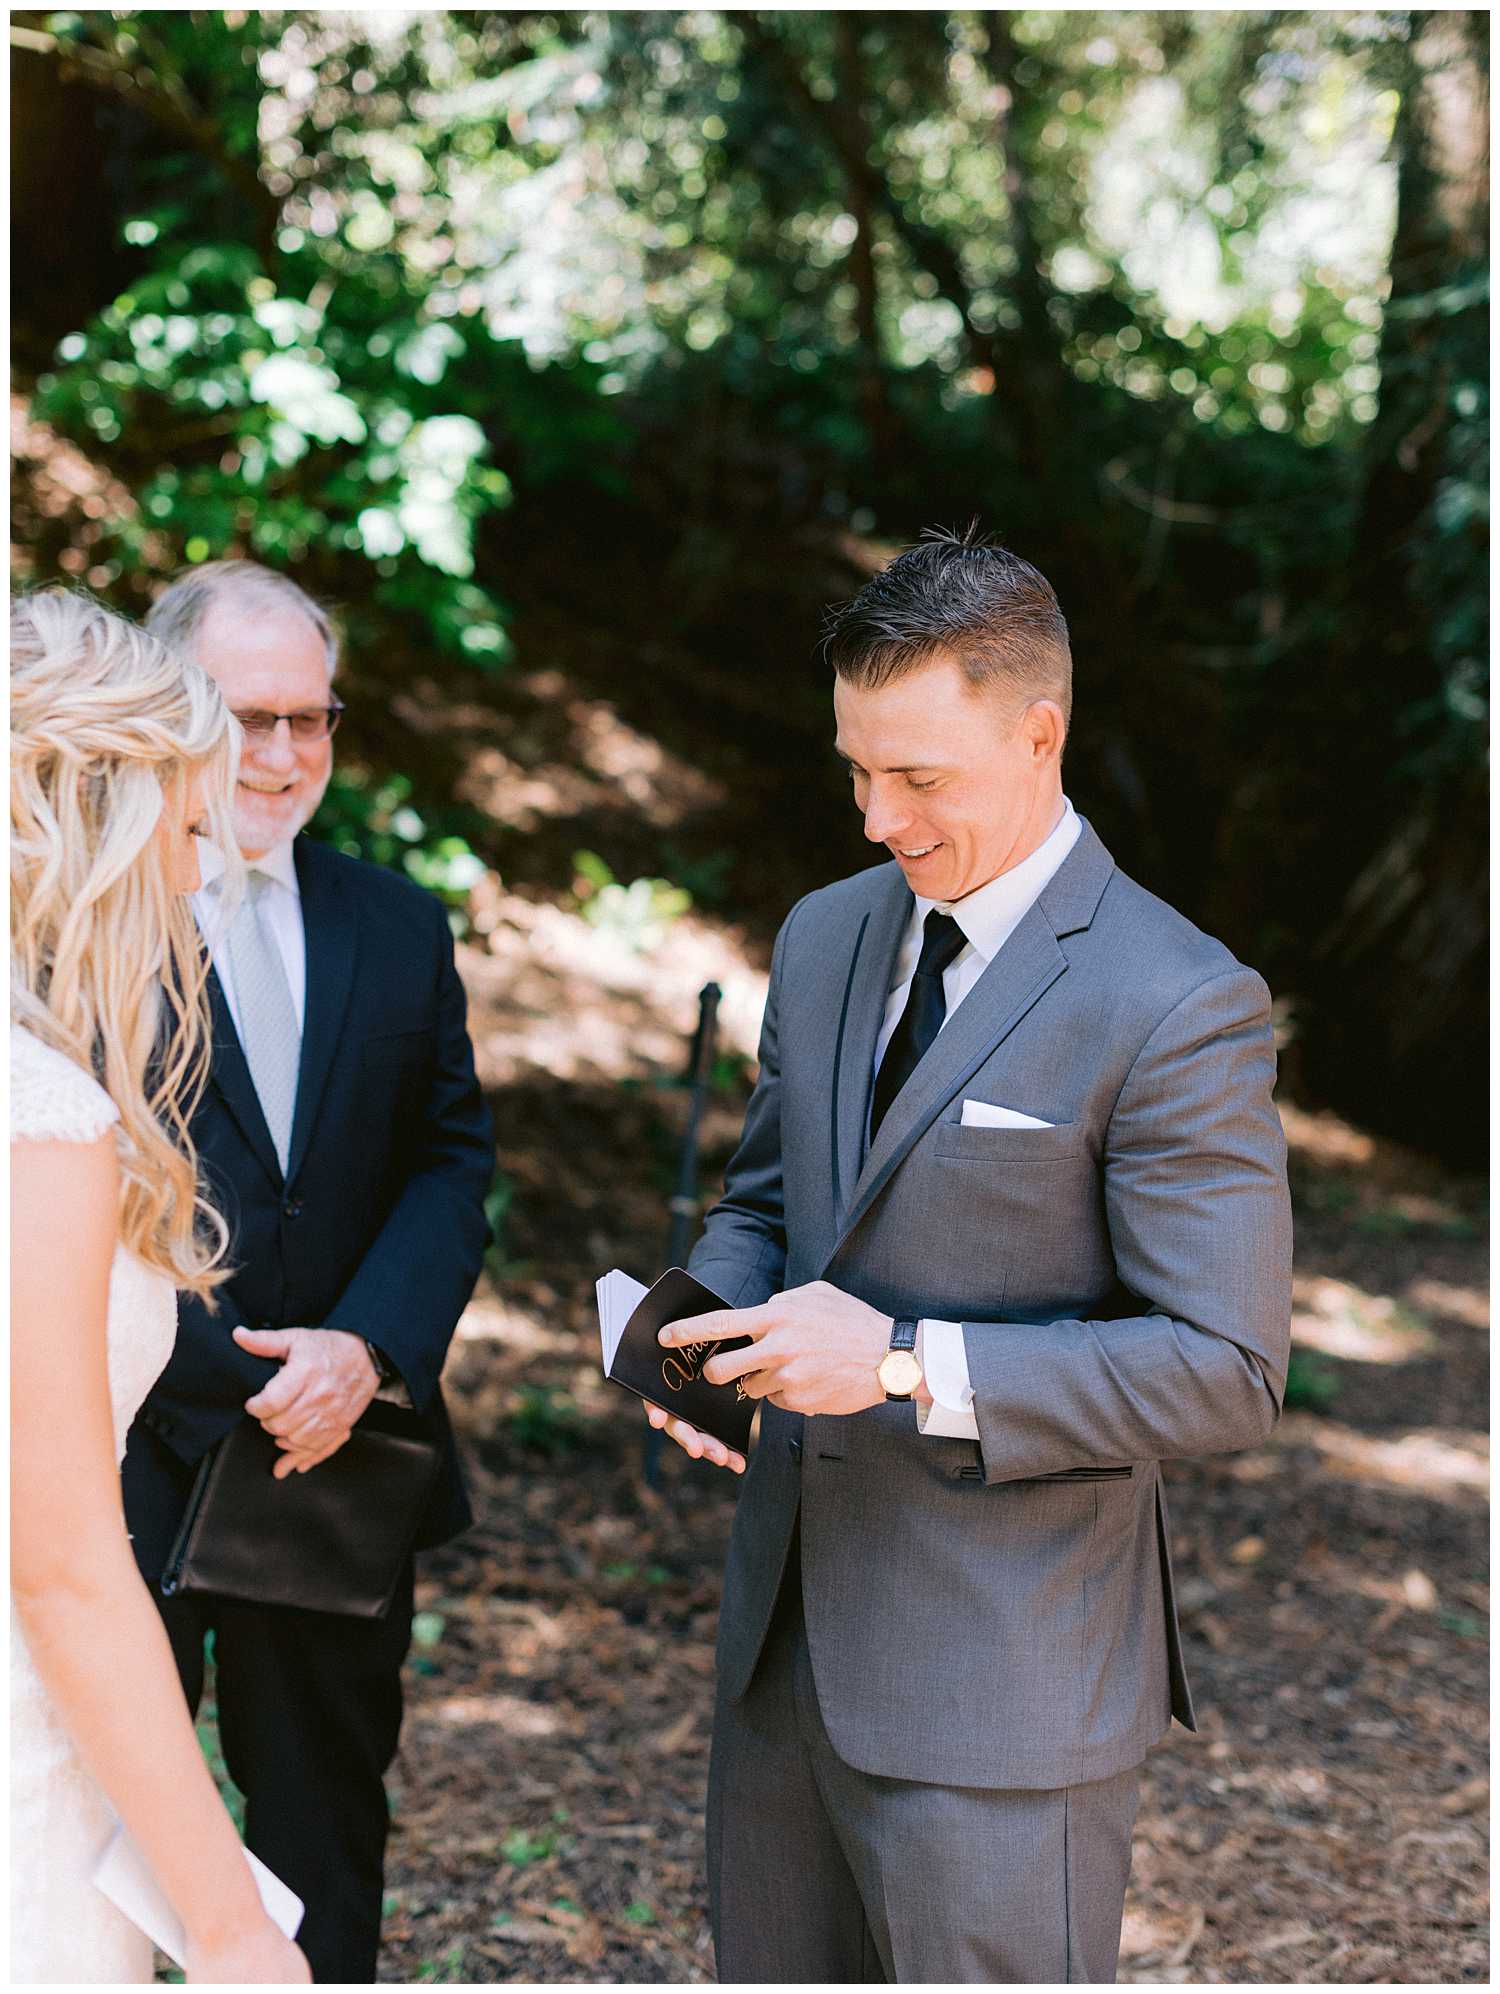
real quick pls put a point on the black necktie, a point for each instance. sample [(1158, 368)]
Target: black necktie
[(922, 1020)]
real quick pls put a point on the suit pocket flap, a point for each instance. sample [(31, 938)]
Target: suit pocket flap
[(1058, 1475), (996, 1145)]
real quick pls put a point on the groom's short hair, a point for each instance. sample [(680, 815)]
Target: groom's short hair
[(960, 593), (178, 613)]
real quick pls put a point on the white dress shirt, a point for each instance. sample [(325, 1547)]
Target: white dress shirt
[(282, 911), (988, 917)]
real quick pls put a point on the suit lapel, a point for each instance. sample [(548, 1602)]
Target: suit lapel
[(1023, 970), (866, 987), (230, 1075), (330, 926)]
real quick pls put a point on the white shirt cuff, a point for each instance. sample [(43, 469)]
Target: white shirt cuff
[(945, 1366)]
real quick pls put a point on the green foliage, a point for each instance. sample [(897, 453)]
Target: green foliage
[(704, 879), (1468, 1626), (448, 1967), (496, 1211), (1311, 1384), (545, 1421), (301, 422), (593, 875), (374, 819), (427, 1629), (1445, 735), (731, 1072), (209, 1745), (625, 1569), (1394, 1222), (1323, 1191), (523, 1847), (1128, 286), (638, 915), (292, 384)]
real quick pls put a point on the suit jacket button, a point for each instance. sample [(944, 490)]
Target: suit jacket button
[(293, 1208), (794, 1445)]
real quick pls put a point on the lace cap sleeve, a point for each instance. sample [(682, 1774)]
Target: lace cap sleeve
[(51, 1099)]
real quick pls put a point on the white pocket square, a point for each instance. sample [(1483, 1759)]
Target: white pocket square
[(985, 1115)]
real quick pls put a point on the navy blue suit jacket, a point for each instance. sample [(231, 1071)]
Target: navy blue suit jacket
[(378, 1226)]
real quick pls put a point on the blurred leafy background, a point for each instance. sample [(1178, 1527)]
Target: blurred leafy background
[(626, 341)]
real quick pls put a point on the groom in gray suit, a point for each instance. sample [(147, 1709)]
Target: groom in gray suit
[(1008, 1227)]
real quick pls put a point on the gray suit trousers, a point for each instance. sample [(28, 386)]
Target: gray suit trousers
[(820, 1873)]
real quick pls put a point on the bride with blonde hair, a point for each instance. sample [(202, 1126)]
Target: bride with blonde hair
[(120, 755)]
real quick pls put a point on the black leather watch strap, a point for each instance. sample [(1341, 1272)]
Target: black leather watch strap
[(904, 1333), (384, 1368)]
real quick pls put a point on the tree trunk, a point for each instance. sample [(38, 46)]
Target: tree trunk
[(860, 196), (1029, 369), (1398, 1027)]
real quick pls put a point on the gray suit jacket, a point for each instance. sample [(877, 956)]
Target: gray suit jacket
[(1124, 1282)]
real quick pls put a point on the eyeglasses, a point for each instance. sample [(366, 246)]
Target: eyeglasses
[(312, 723)]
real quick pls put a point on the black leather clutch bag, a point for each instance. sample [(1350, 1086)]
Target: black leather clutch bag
[(333, 1540)]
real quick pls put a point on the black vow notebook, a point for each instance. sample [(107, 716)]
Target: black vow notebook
[(630, 1316)]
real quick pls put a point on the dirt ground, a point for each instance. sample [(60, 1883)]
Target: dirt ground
[(1327, 1823)]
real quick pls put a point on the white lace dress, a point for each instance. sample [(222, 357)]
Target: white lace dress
[(61, 1928)]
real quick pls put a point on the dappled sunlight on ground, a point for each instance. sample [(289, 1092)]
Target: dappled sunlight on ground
[(1325, 1138), (1467, 1305), (1337, 1318), (594, 760), (1431, 1464), (522, 1332), (514, 1715), (573, 999)]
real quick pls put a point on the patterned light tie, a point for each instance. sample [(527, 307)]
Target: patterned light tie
[(267, 1017)]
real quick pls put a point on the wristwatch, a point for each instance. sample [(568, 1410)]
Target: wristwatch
[(899, 1372), (385, 1370)]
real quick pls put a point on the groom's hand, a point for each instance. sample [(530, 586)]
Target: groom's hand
[(812, 1349), (326, 1381), (701, 1446)]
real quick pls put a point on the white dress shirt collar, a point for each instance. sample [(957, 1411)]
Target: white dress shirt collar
[(990, 914), (279, 863)]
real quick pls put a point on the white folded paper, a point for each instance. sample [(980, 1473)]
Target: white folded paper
[(985, 1115), (617, 1296), (124, 1876)]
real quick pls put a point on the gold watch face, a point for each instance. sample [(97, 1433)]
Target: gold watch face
[(899, 1373)]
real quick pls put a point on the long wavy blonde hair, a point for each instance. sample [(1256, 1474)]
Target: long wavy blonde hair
[(109, 731)]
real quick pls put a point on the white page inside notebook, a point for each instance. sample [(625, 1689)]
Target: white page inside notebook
[(617, 1295)]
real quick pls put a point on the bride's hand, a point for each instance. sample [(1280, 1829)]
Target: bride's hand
[(262, 1957)]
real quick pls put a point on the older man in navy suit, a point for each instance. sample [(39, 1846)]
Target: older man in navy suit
[(344, 1138)]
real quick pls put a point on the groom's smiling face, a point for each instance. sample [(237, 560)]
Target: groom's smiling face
[(958, 784)]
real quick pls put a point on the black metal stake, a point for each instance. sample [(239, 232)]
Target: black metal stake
[(684, 1203)]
